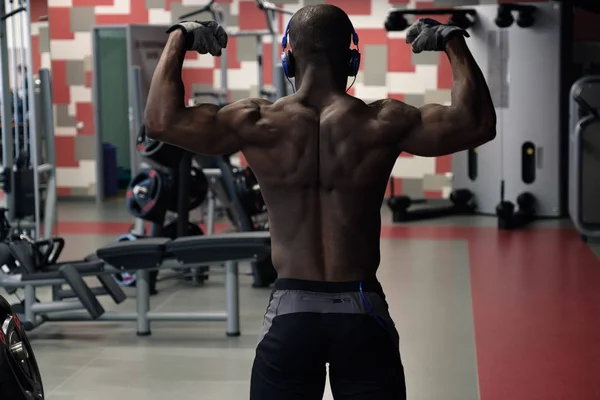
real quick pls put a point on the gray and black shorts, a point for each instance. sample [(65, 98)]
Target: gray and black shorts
[(309, 325)]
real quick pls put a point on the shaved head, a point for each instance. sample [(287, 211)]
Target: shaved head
[(321, 33)]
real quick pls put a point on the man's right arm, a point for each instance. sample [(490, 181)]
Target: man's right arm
[(436, 130)]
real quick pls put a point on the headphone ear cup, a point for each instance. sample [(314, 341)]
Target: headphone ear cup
[(354, 65), (288, 64)]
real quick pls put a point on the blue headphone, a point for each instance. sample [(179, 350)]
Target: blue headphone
[(287, 59)]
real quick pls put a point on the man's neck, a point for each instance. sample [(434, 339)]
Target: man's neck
[(314, 81)]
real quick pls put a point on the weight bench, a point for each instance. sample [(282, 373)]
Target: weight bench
[(143, 255), (81, 297)]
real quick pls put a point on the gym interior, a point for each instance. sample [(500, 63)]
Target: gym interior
[(132, 269)]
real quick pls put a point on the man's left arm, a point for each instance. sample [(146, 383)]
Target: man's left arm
[(205, 129)]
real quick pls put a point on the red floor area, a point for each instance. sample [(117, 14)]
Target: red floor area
[(536, 307)]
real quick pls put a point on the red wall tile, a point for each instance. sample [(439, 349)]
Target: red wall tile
[(399, 56), (138, 14), (63, 191), (60, 89), (443, 164), (88, 3), (38, 8), (232, 61), (37, 57), (251, 18), (60, 28), (396, 96), (195, 75), (433, 194), (65, 151), (85, 114), (353, 7)]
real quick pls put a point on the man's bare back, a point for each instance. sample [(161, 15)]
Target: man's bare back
[(323, 160), (323, 175)]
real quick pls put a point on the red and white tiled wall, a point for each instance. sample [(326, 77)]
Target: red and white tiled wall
[(67, 46)]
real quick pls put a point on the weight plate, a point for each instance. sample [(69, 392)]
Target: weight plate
[(19, 372), (157, 153)]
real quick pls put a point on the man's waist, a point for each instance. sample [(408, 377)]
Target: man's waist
[(367, 285)]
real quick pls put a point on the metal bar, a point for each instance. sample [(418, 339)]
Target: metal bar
[(48, 121), (152, 316), (33, 124), (7, 114), (198, 11), (23, 23), (56, 306), (259, 59), (29, 303), (96, 89), (15, 97), (232, 293), (183, 194), (13, 12), (210, 213), (268, 6), (142, 299), (137, 115), (261, 33)]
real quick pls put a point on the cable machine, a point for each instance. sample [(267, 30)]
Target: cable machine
[(28, 173)]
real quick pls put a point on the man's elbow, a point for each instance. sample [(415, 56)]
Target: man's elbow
[(155, 128), (486, 132)]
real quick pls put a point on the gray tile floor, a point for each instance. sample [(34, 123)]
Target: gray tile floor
[(428, 287), (197, 361)]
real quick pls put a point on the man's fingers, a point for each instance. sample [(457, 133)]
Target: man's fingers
[(222, 37), (214, 48), (413, 31)]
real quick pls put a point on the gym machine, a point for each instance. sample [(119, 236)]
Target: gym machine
[(524, 162), (28, 173), (461, 201), (19, 371), (584, 161), (35, 266)]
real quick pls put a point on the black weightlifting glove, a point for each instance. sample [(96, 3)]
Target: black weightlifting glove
[(203, 37), (429, 35)]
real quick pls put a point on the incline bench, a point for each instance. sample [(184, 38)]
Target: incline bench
[(144, 255), (80, 303)]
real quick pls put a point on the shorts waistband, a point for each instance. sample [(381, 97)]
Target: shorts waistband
[(370, 285)]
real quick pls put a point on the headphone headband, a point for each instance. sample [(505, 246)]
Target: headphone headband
[(284, 40)]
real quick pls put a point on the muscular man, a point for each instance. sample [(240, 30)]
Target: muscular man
[(323, 159)]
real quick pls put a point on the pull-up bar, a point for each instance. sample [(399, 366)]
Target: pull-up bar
[(208, 7), (13, 12), (268, 6)]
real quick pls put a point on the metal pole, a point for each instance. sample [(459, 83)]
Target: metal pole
[(232, 293), (259, 59), (142, 299), (183, 194), (210, 213), (7, 114), (48, 121), (29, 302), (23, 19), (32, 123), (137, 115), (15, 96)]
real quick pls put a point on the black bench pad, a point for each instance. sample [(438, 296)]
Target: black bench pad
[(133, 255), (53, 271), (221, 248)]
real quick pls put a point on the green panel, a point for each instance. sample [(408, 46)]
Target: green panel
[(111, 64)]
